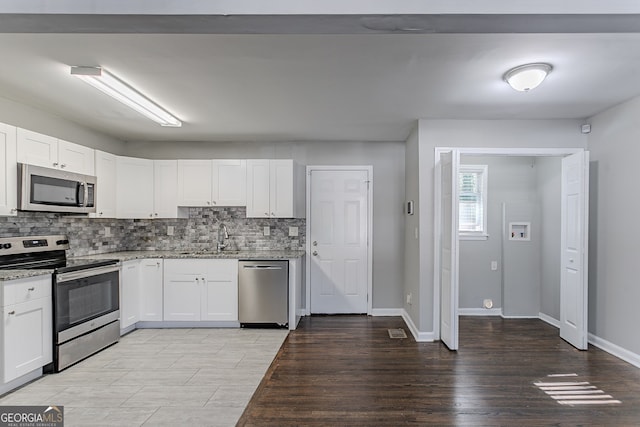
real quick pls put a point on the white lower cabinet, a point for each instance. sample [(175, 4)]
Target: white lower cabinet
[(151, 290), (201, 289), (129, 293), (26, 326)]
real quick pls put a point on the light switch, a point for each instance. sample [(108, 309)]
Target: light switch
[(293, 231), (494, 265), (170, 230), (266, 231), (107, 232)]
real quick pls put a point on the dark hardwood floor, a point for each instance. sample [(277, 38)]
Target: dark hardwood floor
[(345, 370)]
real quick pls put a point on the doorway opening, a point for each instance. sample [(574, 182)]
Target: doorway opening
[(534, 239)]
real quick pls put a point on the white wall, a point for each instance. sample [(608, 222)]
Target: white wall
[(614, 285), (475, 133), (387, 159), (20, 115), (412, 223)]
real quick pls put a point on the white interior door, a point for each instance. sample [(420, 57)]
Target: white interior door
[(449, 163), (574, 240), (339, 230)]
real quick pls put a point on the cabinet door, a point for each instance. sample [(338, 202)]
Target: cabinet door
[(165, 189), (194, 183), (9, 172), (151, 290), (27, 339), (220, 292), (37, 149), (281, 189), (134, 188), (106, 187), (183, 280), (76, 158), (258, 198), (229, 182), (130, 294)]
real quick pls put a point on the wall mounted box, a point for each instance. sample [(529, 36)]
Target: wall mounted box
[(519, 231)]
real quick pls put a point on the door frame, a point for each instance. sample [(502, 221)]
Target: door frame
[(479, 151), (340, 168)]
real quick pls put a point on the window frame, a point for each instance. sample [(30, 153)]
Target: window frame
[(483, 171)]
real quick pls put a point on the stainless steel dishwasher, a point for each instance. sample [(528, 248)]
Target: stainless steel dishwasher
[(263, 293)]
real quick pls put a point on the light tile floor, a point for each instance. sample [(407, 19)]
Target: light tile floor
[(160, 377)]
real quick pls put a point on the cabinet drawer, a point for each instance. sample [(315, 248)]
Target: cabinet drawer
[(223, 270), (23, 290)]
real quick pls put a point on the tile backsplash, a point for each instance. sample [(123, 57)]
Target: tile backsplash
[(88, 236)]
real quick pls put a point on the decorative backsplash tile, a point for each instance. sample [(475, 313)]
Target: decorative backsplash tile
[(88, 236)]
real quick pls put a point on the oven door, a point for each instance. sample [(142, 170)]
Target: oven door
[(85, 300)]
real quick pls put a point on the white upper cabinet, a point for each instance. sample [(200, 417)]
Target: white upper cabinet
[(275, 189), (211, 182), (106, 188), (229, 186), (44, 150), (165, 188), (76, 158), (134, 196), (9, 176)]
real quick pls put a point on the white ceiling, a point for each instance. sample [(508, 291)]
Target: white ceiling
[(316, 86)]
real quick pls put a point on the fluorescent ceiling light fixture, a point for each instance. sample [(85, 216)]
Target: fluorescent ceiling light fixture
[(526, 77), (106, 82)]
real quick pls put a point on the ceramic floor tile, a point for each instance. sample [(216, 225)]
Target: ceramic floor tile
[(140, 362), (95, 396), (82, 377), (107, 417), (196, 417), (166, 396), (157, 377)]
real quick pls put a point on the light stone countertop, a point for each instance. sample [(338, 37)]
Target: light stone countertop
[(6, 275), (185, 254)]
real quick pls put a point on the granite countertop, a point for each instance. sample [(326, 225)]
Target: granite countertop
[(185, 254), (6, 275), (22, 274)]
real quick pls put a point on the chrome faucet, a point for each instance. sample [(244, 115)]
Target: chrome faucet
[(222, 235)]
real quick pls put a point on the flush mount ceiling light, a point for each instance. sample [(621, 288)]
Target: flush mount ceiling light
[(526, 77), (106, 82)]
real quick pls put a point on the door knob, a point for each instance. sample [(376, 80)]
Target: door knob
[(315, 253)]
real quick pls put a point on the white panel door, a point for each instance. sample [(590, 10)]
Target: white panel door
[(165, 189), (339, 254), (106, 173), (8, 171), (449, 163), (574, 241)]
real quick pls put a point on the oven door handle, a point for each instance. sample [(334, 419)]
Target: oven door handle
[(75, 275)]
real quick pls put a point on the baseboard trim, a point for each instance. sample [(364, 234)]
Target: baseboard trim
[(186, 324), (480, 311), (519, 317), (615, 350), (417, 335), (550, 320), (383, 312)]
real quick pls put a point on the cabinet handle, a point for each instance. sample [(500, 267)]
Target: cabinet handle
[(31, 289), (150, 215), (158, 264), (100, 214), (55, 164), (13, 210), (12, 312), (266, 213), (214, 202), (156, 214), (272, 214), (208, 202), (63, 166)]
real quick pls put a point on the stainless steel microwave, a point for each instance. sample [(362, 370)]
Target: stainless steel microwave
[(54, 190)]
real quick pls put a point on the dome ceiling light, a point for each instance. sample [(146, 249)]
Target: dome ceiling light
[(523, 78)]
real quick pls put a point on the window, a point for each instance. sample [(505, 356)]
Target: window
[(472, 196)]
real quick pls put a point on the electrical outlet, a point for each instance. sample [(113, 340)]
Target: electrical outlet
[(416, 234), (170, 230), (293, 231), (409, 298), (494, 265), (107, 232), (266, 231)]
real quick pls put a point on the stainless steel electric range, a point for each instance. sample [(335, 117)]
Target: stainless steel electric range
[(86, 308)]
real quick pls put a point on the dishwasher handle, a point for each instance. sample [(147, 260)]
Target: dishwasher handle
[(261, 267)]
